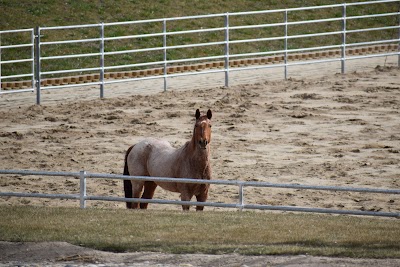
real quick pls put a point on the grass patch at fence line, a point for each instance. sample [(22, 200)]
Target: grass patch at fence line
[(252, 233)]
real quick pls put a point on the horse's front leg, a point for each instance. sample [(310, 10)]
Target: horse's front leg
[(186, 196), (202, 198)]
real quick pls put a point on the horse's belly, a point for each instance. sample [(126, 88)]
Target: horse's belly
[(169, 186)]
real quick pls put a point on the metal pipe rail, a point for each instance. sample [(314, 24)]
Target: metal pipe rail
[(83, 197)]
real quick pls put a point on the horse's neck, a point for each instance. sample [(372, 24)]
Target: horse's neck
[(197, 159), (194, 153)]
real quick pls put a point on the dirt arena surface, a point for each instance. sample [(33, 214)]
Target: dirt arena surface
[(333, 130), (317, 128)]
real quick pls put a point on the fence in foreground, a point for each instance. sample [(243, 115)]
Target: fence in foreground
[(83, 197), (223, 46)]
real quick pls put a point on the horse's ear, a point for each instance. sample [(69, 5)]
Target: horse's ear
[(197, 114), (209, 114)]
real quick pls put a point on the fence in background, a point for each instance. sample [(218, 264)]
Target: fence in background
[(43, 77), (83, 197), (27, 58)]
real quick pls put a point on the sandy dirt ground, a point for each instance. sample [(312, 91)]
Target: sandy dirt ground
[(316, 128), (330, 130)]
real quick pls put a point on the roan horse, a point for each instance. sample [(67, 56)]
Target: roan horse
[(157, 158)]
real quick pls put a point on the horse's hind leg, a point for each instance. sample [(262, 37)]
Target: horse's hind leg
[(149, 189), (137, 187), (132, 189)]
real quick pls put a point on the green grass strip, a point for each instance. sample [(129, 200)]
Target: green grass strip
[(248, 233)]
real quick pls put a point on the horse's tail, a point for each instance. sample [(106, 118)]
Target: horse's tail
[(127, 183)]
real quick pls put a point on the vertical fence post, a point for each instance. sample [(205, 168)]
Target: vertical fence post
[(33, 57), (343, 54), (82, 189), (286, 43), (37, 69), (165, 53), (241, 196), (0, 62), (102, 60), (227, 50), (398, 48)]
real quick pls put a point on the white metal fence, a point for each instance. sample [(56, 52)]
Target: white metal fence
[(224, 41), (240, 204), (26, 58)]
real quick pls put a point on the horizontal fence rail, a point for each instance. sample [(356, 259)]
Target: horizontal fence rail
[(164, 40), (83, 196)]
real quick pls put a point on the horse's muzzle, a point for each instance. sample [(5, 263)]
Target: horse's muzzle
[(203, 143)]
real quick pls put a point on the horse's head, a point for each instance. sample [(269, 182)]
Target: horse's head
[(202, 129)]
